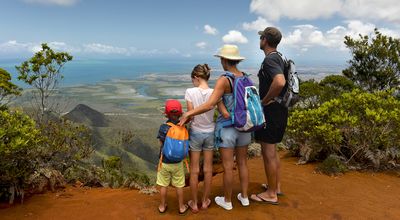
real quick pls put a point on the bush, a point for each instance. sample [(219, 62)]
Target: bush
[(313, 93), (332, 165), (64, 144), (115, 177), (19, 140), (362, 127)]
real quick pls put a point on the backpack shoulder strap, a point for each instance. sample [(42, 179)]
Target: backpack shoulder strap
[(170, 124), (230, 78), (286, 64)]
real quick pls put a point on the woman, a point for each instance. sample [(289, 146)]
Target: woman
[(231, 140)]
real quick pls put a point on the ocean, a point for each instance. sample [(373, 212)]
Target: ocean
[(92, 71)]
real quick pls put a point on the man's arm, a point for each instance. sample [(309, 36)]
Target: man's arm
[(278, 82)]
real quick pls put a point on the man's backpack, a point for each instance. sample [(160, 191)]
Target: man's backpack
[(291, 96), (176, 144), (247, 113)]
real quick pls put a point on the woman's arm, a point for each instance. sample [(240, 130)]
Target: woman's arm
[(218, 92), (222, 109), (189, 106)]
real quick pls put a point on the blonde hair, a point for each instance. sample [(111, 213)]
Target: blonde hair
[(201, 71)]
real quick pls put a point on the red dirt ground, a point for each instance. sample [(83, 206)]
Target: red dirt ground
[(309, 195)]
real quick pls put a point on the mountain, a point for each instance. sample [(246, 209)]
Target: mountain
[(86, 115)]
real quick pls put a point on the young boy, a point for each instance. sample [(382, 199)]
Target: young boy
[(170, 172)]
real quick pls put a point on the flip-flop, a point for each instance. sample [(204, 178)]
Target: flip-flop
[(262, 200), (191, 208), (265, 186), (162, 212), (207, 205), (185, 211)]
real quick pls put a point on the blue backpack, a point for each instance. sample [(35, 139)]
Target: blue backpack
[(176, 144), (247, 113)]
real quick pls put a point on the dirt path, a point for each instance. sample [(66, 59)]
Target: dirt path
[(308, 196)]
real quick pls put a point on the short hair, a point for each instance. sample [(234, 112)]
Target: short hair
[(272, 35)]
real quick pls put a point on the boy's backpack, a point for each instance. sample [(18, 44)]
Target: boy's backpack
[(291, 97), (247, 113), (176, 144)]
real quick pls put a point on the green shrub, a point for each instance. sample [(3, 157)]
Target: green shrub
[(19, 141), (362, 127), (332, 165), (64, 144), (313, 93), (115, 177)]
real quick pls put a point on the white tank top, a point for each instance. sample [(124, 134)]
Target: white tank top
[(203, 122)]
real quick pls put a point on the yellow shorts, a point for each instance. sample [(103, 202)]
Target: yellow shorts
[(171, 174)]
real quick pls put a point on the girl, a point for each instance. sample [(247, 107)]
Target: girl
[(201, 136)]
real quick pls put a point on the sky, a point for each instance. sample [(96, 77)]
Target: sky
[(313, 30)]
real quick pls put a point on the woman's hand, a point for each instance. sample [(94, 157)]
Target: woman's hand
[(184, 118), (226, 115)]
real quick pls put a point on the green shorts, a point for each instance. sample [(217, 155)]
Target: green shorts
[(173, 174)]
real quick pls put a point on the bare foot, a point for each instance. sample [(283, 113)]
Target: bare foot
[(263, 197), (162, 208), (206, 204), (193, 207), (278, 191), (183, 209)]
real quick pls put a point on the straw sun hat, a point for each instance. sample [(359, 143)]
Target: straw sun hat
[(229, 52)]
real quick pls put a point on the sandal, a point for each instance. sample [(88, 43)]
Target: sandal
[(258, 198), (184, 211), (265, 186), (165, 209), (191, 207), (208, 205)]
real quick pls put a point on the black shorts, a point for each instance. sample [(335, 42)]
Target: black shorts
[(276, 116)]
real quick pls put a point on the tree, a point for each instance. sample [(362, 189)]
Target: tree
[(375, 64), (42, 72), (7, 88)]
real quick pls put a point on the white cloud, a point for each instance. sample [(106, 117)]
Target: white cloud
[(305, 9), (304, 37), (173, 51), (234, 37), (16, 48), (210, 30), (386, 10), (257, 25), (201, 45), (13, 46), (53, 2), (370, 10), (105, 49)]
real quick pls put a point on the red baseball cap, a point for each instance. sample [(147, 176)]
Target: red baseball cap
[(173, 107)]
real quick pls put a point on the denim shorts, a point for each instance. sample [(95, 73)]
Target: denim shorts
[(200, 141), (232, 138)]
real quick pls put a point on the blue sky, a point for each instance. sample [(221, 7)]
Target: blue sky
[(313, 30)]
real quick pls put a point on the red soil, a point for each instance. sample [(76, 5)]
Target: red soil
[(309, 195)]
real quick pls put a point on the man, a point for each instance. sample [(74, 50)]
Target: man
[(273, 86)]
